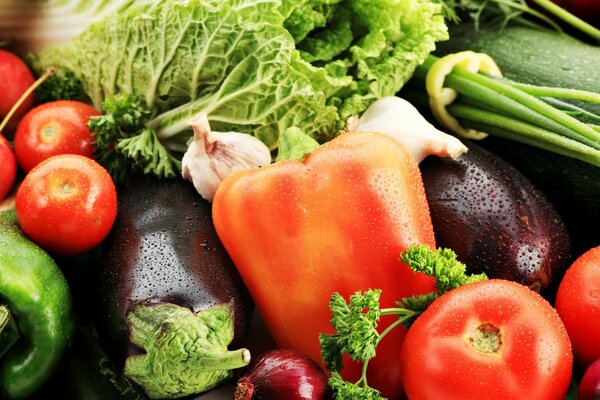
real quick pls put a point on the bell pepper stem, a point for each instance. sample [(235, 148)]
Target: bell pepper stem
[(9, 332), (294, 144)]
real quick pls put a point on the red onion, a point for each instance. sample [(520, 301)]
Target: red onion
[(283, 374), (589, 387)]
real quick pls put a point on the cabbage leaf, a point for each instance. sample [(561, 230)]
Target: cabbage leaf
[(254, 66)]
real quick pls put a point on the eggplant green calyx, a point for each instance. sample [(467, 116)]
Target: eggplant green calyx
[(185, 352), (294, 144)]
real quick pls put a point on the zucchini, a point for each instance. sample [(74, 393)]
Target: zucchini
[(545, 58), (572, 186), (533, 56)]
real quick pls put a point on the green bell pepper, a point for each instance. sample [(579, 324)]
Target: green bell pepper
[(35, 312)]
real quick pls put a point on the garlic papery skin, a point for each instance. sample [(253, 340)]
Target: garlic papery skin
[(212, 156), (398, 118)]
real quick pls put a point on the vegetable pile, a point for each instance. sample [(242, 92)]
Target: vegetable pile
[(298, 199), (254, 67)]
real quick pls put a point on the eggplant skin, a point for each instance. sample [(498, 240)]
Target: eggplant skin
[(494, 219), (163, 248)]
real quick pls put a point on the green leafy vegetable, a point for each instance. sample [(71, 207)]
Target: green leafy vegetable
[(349, 391), (60, 87), (355, 323), (122, 148), (498, 13), (448, 271), (356, 332), (254, 66)]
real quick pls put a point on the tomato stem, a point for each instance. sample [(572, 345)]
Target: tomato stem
[(49, 72), (48, 132), (486, 338)]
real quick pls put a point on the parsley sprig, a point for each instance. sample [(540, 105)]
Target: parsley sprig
[(61, 86), (124, 144), (355, 322)]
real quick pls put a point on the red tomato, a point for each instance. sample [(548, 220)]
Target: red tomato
[(8, 169), (589, 387), (16, 79), (67, 204), (578, 304), (493, 339), (58, 127)]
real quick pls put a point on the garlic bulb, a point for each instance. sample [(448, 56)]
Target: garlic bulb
[(398, 118), (212, 156)]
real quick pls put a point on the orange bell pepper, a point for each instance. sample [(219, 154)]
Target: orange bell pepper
[(298, 231)]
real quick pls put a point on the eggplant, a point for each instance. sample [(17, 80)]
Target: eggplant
[(169, 298), (495, 219), (573, 187)]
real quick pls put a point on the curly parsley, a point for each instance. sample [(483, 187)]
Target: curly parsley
[(355, 322)]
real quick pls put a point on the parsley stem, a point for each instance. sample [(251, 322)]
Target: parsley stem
[(406, 314), (528, 10), (569, 18), (401, 312)]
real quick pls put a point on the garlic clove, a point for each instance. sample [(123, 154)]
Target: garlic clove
[(212, 156), (398, 118)]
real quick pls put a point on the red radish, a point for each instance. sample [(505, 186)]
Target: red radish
[(16, 79), (589, 387), (283, 374), (8, 167)]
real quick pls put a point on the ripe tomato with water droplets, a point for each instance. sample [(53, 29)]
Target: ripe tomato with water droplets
[(16, 79), (67, 204), (58, 127), (589, 387), (493, 339), (578, 304), (8, 169)]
